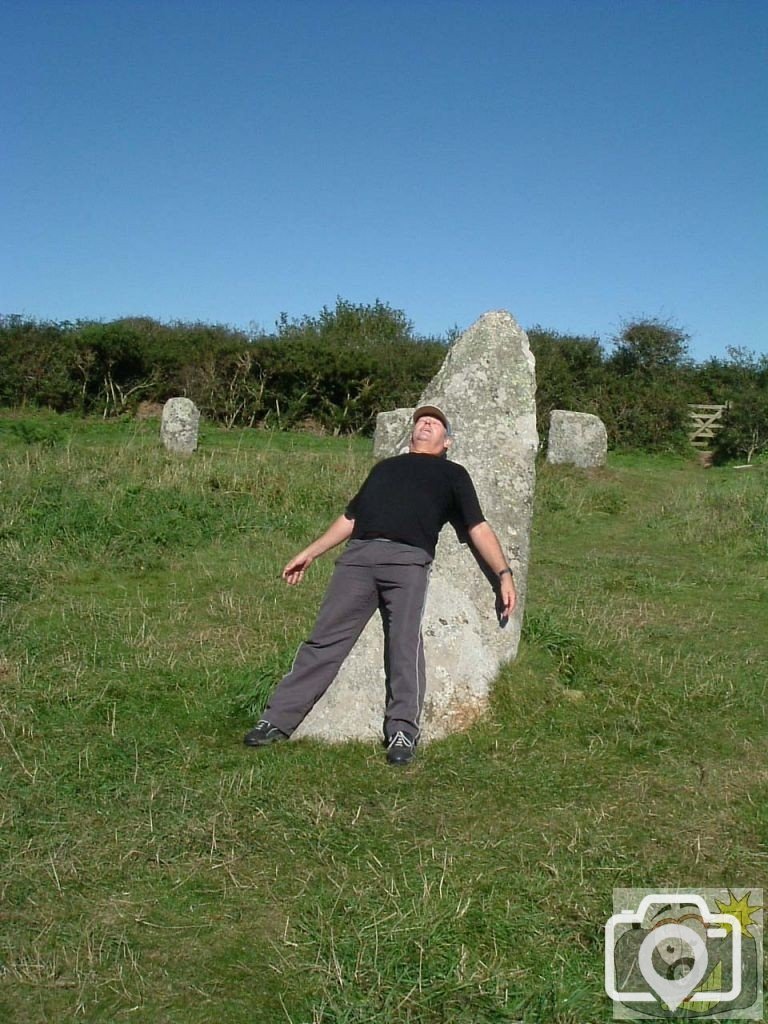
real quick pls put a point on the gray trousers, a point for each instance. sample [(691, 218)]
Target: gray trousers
[(369, 574)]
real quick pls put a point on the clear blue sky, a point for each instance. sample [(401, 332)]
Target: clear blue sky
[(573, 161)]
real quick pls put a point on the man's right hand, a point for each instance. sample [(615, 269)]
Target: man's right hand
[(293, 573), (339, 530)]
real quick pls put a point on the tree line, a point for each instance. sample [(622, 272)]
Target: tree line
[(335, 371)]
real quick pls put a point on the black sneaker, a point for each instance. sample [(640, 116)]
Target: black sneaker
[(401, 748), (264, 733)]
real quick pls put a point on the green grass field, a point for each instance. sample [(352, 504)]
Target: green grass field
[(155, 870)]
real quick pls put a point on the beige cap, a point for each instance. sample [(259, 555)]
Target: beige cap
[(432, 410)]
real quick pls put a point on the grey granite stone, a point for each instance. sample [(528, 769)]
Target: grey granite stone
[(487, 387), (179, 426), (391, 427), (576, 439)]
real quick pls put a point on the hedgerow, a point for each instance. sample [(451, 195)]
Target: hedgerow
[(335, 371)]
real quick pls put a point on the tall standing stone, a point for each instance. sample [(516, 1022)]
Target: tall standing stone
[(179, 426), (487, 388), (576, 439)]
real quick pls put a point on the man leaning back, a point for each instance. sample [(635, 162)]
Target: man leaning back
[(391, 525)]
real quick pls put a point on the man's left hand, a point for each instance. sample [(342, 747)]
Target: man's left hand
[(508, 595)]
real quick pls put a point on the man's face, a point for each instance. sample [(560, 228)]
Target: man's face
[(429, 436)]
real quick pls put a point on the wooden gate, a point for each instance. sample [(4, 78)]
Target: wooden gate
[(705, 422)]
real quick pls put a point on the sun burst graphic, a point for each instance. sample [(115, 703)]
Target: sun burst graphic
[(740, 908)]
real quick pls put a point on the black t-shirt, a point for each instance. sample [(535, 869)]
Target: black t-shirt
[(409, 498)]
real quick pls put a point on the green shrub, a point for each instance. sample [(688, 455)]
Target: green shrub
[(569, 374), (744, 434), (336, 371), (46, 434)]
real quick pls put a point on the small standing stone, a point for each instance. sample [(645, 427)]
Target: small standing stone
[(576, 439), (392, 428), (179, 426)]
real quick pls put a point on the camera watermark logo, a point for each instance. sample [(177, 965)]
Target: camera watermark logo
[(685, 955)]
